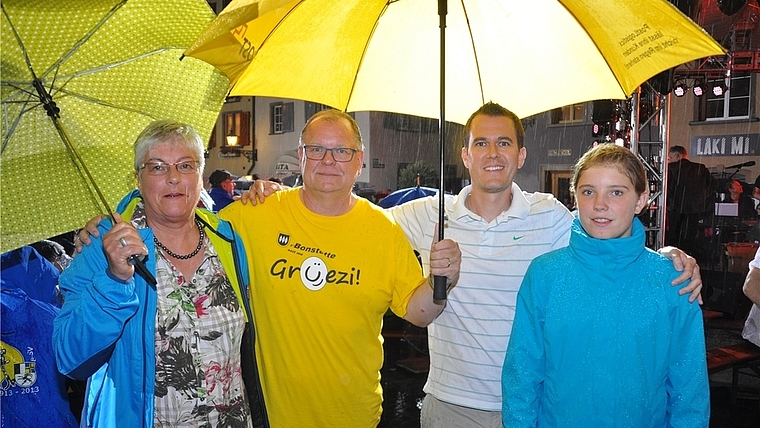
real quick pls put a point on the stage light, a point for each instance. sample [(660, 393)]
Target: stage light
[(699, 89), (719, 89), (680, 89), (600, 129)]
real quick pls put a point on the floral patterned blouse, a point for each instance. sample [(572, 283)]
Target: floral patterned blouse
[(199, 329)]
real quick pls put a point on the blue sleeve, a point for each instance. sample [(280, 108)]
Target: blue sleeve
[(687, 384), (96, 307), (245, 275), (524, 365), (243, 272), (222, 202)]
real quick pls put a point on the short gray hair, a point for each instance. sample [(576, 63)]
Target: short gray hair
[(334, 116), (168, 130)]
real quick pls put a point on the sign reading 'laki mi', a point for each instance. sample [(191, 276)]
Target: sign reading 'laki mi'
[(725, 145)]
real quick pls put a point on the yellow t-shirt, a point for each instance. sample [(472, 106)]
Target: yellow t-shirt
[(321, 285)]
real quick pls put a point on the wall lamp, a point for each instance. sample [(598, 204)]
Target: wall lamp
[(232, 140), (230, 149)]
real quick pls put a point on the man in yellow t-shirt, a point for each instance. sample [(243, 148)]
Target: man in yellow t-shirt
[(326, 266)]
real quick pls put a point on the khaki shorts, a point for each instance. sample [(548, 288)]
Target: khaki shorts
[(438, 414)]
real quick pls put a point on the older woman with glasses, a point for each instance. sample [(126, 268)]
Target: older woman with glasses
[(169, 353)]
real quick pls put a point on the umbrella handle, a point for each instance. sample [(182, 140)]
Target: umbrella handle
[(138, 261), (439, 287)]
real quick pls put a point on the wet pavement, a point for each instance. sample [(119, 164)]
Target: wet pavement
[(403, 389)]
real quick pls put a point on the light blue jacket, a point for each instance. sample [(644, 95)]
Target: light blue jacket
[(602, 339), (105, 330)]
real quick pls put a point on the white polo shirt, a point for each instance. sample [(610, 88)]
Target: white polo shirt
[(469, 339)]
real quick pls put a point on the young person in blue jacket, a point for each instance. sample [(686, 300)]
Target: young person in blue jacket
[(600, 337)]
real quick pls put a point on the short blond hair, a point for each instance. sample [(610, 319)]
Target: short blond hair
[(611, 155)]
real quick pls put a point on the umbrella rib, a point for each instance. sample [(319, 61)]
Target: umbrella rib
[(80, 73), (7, 136), (104, 103), (19, 41), (16, 121), (69, 77), (474, 53), (84, 38), (20, 90)]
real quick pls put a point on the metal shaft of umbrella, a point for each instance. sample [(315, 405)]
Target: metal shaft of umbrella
[(54, 113), (439, 282)]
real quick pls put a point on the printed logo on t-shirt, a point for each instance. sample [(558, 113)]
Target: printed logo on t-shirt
[(283, 239), (313, 273)]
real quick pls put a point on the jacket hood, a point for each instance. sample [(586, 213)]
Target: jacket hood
[(606, 254)]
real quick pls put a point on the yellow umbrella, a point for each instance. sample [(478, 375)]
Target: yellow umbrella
[(80, 80), (409, 56), (529, 56)]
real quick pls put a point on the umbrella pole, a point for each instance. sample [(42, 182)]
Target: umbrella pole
[(54, 112), (439, 282)]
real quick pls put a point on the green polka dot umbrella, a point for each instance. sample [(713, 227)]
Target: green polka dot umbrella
[(105, 69)]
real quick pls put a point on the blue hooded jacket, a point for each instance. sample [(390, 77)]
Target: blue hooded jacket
[(601, 338)]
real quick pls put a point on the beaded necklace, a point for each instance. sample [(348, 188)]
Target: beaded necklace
[(184, 256)]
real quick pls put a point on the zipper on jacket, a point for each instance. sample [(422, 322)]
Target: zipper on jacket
[(145, 352)]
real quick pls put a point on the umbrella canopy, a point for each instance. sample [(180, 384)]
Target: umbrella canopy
[(529, 56), (104, 69), (405, 195)]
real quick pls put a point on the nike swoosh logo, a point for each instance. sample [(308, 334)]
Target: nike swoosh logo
[(517, 238)]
